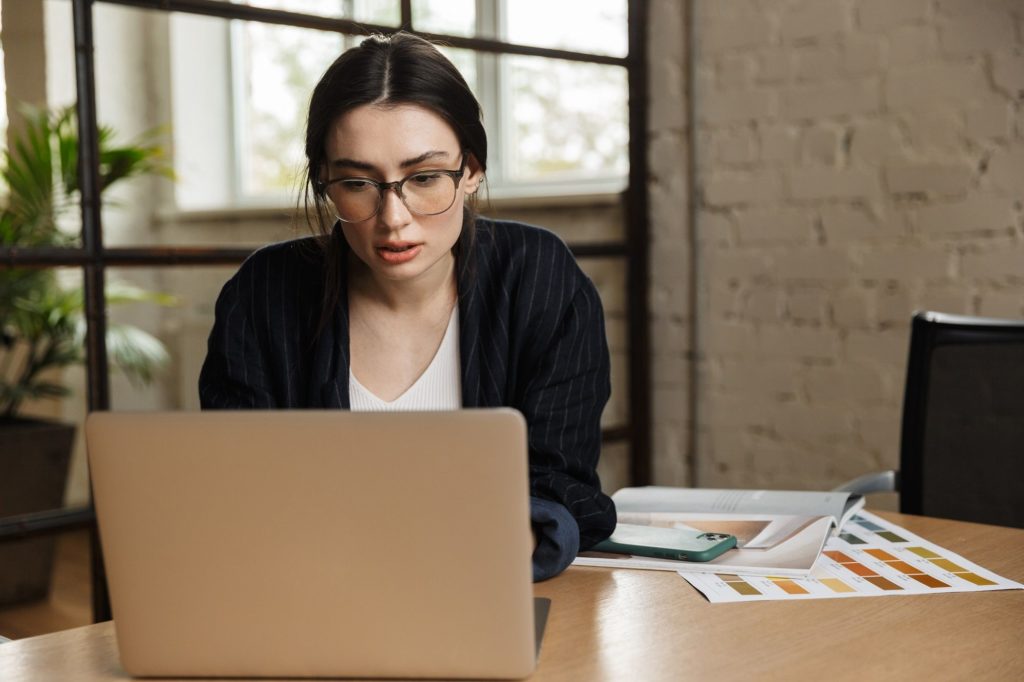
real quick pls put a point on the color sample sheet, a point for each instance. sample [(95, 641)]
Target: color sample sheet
[(870, 557)]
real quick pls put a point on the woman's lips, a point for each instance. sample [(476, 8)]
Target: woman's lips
[(396, 253)]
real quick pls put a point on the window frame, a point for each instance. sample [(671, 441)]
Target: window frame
[(93, 257)]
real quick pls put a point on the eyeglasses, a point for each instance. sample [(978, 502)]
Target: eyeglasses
[(426, 192)]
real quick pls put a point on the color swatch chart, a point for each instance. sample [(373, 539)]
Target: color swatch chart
[(870, 557)]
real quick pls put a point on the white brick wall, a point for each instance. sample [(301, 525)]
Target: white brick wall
[(857, 160)]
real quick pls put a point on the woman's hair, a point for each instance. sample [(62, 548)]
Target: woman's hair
[(384, 71)]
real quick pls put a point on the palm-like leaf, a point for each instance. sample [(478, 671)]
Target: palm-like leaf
[(41, 323), (136, 353), (28, 174), (119, 293)]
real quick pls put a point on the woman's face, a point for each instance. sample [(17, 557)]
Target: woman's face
[(387, 144)]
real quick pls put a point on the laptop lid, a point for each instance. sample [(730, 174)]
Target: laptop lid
[(316, 544)]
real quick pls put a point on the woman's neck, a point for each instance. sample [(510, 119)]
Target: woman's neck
[(435, 287)]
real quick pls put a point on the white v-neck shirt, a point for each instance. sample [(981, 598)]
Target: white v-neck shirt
[(438, 388)]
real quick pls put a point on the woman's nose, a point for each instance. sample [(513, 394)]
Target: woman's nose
[(393, 211)]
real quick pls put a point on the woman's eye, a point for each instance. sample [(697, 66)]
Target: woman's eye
[(356, 185), (425, 179)]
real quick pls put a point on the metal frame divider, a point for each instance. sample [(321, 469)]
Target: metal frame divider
[(94, 258), (94, 285), (638, 246)]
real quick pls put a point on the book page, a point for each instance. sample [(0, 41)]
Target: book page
[(838, 505), (752, 531), (874, 558)]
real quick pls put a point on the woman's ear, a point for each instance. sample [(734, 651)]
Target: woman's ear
[(318, 182), (474, 174)]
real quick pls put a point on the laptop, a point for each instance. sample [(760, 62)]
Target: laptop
[(316, 543)]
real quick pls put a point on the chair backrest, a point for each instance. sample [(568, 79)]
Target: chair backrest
[(962, 448)]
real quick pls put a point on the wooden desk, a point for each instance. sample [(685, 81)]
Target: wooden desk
[(651, 625)]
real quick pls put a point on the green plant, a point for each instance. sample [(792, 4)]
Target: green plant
[(42, 324)]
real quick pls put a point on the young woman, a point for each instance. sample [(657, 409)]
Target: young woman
[(406, 300)]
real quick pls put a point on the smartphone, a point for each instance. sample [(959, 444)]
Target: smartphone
[(681, 544)]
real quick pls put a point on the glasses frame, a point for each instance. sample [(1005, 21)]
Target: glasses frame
[(398, 185)]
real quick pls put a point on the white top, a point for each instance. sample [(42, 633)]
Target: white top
[(438, 388)]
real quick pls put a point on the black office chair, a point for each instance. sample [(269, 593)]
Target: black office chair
[(962, 443)]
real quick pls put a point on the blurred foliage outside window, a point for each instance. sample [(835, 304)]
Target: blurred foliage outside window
[(3, 101), (551, 123)]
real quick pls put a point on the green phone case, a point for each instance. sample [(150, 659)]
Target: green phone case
[(665, 543)]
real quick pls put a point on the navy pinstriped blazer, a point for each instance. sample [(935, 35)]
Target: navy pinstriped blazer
[(531, 337)]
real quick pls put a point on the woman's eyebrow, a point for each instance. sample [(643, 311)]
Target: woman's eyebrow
[(364, 166), (352, 163), (423, 157)]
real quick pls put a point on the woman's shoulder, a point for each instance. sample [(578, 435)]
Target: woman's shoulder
[(525, 250), (305, 250), (509, 237), (523, 265), (293, 260)]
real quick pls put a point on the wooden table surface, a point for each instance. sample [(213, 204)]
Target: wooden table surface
[(616, 624)]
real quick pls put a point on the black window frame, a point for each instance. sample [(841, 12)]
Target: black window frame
[(94, 258)]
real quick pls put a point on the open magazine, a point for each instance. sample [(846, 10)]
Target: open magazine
[(777, 532)]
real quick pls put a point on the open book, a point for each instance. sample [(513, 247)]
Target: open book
[(778, 532)]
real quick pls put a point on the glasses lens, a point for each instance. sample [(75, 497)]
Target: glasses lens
[(355, 200), (429, 193)]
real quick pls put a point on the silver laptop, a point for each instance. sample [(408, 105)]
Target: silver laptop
[(316, 544)]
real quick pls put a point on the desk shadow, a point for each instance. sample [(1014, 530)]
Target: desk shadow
[(541, 609)]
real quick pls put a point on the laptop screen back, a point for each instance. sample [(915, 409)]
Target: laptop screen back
[(307, 543)]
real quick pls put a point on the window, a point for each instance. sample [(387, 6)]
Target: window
[(554, 126), (274, 69), (3, 101)]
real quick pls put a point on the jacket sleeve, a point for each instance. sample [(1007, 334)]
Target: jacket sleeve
[(562, 404), (235, 374)]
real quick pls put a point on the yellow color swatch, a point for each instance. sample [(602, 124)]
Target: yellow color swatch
[(975, 578), (948, 565), (836, 585), (922, 552)]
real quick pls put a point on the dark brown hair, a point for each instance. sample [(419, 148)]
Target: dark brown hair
[(384, 71)]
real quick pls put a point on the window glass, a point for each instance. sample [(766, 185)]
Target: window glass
[(275, 71), (452, 17), (322, 7), (43, 457), (564, 120), (203, 136), (278, 68), (45, 311), (596, 26), (179, 325), (3, 103), (387, 12)]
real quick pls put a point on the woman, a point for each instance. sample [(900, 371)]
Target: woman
[(406, 300)]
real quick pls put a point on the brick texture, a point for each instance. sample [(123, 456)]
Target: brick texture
[(858, 160)]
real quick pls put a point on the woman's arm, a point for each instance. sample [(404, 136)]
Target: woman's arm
[(562, 404), (233, 376)]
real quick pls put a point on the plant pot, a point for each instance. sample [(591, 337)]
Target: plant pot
[(34, 457)]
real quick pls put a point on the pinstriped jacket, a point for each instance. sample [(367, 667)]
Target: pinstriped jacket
[(531, 336)]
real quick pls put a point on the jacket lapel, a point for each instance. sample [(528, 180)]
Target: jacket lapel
[(331, 361), (469, 351), (331, 354), (469, 338)]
